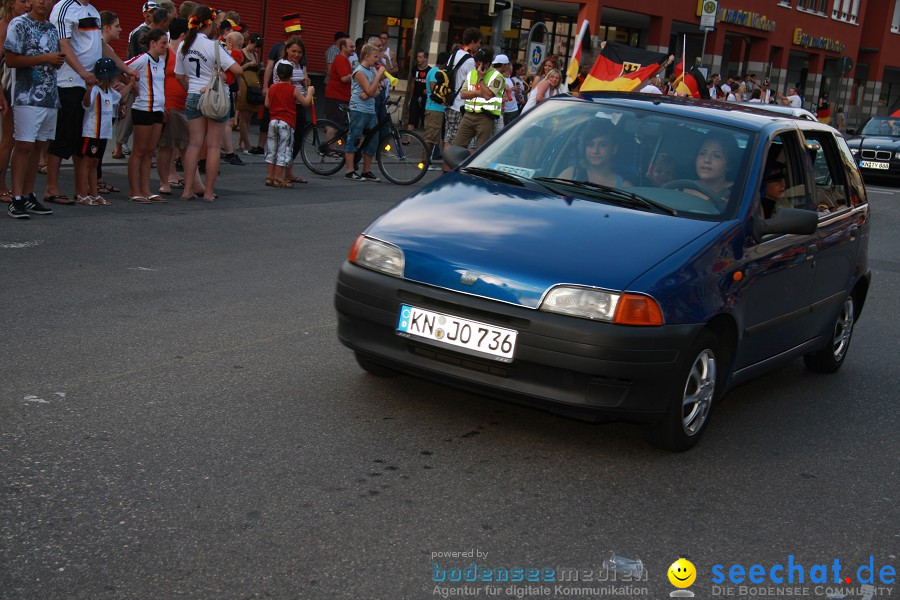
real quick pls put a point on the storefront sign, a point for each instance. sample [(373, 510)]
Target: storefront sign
[(535, 56), (745, 18), (822, 43)]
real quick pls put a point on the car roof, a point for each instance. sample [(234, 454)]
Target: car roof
[(744, 116)]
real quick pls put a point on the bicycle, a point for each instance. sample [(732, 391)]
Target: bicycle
[(401, 156)]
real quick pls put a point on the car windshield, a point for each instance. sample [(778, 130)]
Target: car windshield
[(637, 158), (882, 126)]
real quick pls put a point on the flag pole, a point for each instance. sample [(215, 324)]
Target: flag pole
[(575, 61)]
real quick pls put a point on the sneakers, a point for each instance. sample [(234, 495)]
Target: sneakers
[(369, 176), (256, 150), (16, 209), (33, 206), (353, 176), (233, 159)]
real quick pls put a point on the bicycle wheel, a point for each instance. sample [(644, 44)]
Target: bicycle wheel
[(321, 154), (402, 157)]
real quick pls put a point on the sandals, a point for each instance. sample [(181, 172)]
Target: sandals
[(100, 201), (297, 179), (283, 184), (42, 169), (58, 199), (87, 201), (105, 188), (6, 196), (270, 182), (140, 199), (156, 198), (177, 185)]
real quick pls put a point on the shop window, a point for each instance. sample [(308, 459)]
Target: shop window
[(816, 6)]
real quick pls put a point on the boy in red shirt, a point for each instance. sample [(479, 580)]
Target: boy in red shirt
[(282, 100)]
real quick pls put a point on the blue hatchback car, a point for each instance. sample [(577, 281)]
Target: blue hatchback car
[(619, 257)]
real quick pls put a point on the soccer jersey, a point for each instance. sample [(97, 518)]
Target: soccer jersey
[(200, 61), (98, 117), (33, 86), (80, 24), (150, 95)]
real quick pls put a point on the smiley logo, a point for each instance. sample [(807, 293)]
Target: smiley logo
[(682, 573)]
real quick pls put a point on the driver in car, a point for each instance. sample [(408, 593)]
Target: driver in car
[(716, 161), (597, 146)]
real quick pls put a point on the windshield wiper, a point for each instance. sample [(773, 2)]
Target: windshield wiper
[(613, 194), (494, 174)]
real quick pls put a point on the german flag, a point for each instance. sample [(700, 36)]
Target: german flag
[(291, 22), (691, 83), (622, 68)]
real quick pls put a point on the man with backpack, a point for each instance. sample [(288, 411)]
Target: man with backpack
[(459, 66), (483, 101), (437, 85)]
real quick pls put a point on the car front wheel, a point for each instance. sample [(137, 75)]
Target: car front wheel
[(692, 400), (830, 358)]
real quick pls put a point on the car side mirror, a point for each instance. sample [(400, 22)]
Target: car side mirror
[(454, 156), (795, 221), (851, 132)]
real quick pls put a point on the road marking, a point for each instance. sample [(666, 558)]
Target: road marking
[(20, 245), (141, 269), (881, 191)]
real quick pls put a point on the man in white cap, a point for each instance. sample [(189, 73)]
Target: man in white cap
[(727, 95), (141, 29)]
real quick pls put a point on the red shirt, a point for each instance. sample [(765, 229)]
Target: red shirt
[(175, 94), (238, 57), (336, 88), (282, 105)]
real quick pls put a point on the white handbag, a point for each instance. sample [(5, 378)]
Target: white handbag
[(214, 102)]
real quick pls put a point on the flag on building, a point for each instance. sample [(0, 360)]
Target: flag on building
[(623, 68), (575, 62), (692, 83)]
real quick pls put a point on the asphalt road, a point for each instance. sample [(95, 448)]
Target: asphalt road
[(177, 419)]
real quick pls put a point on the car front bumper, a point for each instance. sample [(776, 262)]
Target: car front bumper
[(564, 364)]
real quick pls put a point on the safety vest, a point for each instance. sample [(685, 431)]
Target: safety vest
[(494, 106)]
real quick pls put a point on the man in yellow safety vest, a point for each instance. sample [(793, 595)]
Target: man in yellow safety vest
[(483, 101)]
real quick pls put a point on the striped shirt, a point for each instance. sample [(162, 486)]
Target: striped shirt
[(150, 93), (80, 24), (98, 115)]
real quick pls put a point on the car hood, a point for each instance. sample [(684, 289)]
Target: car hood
[(511, 244), (873, 141)]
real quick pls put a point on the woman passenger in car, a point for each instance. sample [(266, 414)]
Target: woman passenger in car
[(598, 146), (716, 161)]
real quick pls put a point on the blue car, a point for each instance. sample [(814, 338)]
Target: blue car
[(618, 257)]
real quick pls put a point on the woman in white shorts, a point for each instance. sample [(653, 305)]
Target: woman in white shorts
[(195, 62)]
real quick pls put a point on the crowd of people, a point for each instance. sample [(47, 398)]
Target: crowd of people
[(67, 95)]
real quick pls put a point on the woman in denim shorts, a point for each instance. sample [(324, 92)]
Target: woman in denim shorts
[(364, 86), (195, 62)]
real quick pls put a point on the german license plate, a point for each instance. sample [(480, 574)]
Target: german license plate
[(872, 164), (447, 330)]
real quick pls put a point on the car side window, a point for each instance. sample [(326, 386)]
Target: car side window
[(829, 171), (784, 182), (855, 181)]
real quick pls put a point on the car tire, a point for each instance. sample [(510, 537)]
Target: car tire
[(830, 358), (374, 368), (698, 387)]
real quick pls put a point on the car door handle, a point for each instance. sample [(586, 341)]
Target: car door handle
[(853, 232), (811, 252)]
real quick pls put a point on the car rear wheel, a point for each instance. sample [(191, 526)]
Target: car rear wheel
[(830, 358), (374, 368), (691, 403)]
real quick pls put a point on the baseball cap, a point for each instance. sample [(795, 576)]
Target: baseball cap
[(501, 59), (106, 68), (150, 5), (726, 88)]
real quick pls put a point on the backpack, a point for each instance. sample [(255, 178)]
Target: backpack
[(441, 87), (450, 97)]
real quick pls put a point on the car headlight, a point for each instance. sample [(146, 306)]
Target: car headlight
[(599, 305), (854, 151), (378, 256)]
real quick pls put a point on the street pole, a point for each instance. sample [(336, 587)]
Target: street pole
[(421, 40)]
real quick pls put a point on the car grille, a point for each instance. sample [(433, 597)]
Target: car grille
[(876, 155)]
